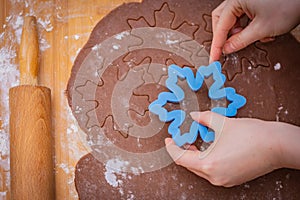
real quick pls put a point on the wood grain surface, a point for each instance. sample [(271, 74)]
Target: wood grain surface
[(31, 157), (28, 52)]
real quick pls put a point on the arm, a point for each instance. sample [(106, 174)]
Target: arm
[(246, 149), (289, 144)]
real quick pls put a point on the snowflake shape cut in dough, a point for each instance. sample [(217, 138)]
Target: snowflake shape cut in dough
[(176, 95)]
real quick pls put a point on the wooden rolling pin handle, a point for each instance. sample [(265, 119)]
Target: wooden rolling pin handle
[(28, 52), (31, 144)]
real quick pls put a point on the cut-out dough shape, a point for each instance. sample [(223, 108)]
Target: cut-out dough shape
[(216, 91)]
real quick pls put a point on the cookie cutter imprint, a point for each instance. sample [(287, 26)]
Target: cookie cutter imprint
[(216, 91), (100, 59), (92, 69)]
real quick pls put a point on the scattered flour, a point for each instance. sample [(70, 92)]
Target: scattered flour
[(169, 42), (66, 168), (115, 174), (278, 189), (10, 39), (43, 44), (17, 24), (46, 23), (138, 141), (121, 35), (116, 46), (234, 59), (277, 66), (76, 37), (279, 185), (115, 168), (72, 58), (280, 109), (3, 195), (9, 77), (130, 196)]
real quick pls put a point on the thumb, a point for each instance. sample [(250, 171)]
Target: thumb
[(243, 38), (210, 119), (186, 158)]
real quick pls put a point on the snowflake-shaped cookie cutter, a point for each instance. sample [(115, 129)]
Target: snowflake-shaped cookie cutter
[(216, 91)]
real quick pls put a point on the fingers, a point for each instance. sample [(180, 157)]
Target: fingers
[(236, 28), (267, 39), (216, 51), (224, 18), (186, 158), (199, 173), (192, 148), (210, 119), (243, 38), (216, 15)]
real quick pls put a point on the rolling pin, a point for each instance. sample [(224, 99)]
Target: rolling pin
[(31, 142)]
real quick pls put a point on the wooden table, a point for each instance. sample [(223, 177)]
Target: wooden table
[(64, 27)]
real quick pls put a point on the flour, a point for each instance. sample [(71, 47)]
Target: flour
[(73, 135), (46, 23), (279, 185), (169, 42), (280, 110), (115, 168), (72, 58), (43, 44), (277, 66), (9, 77), (120, 36), (130, 196), (67, 169), (116, 46), (76, 37), (234, 59), (139, 143), (278, 189), (17, 24), (115, 174)]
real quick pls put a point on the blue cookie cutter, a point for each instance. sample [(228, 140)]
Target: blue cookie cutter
[(216, 91)]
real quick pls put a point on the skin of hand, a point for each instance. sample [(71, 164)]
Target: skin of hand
[(269, 18), (245, 149)]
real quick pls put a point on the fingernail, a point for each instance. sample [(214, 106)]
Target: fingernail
[(195, 115), (236, 30), (168, 141)]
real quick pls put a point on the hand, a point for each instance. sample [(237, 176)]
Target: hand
[(270, 18), (245, 149)]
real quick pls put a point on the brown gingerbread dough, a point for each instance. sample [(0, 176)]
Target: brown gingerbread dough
[(121, 67)]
